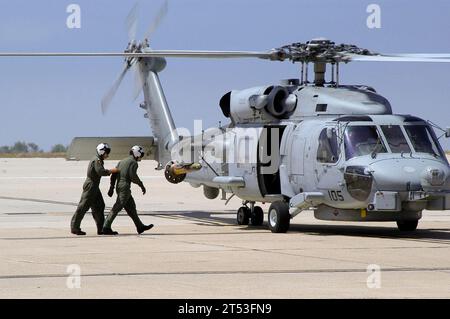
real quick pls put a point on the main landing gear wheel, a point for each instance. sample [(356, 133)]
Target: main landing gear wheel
[(257, 216), (407, 225), (243, 215), (279, 217)]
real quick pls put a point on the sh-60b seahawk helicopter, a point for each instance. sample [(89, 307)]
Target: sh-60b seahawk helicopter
[(337, 149)]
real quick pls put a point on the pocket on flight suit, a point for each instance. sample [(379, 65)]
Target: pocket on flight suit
[(88, 191), (124, 193), (87, 186)]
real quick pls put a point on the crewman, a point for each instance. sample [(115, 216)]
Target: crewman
[(91, 196), (127, 174)]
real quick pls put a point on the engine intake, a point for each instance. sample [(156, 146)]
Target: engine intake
[(280, 102), (259, 104)]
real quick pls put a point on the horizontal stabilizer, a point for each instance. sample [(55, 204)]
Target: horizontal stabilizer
[(84, 148)]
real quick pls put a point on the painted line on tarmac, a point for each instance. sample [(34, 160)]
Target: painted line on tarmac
[(45, 201), (143, 236), (231, 272), (197, 220)]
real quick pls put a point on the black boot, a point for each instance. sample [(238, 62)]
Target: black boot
[(100, 231), (109, 231), (78, 232), (144, 228)]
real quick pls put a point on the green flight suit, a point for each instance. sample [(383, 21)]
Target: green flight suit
[(127, 175), (91, 196)]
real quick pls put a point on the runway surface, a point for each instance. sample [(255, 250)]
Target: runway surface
[(196, 250)]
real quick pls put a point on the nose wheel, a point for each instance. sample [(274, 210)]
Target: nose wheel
[(253, 214)]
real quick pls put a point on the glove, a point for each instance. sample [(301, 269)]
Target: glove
[(114, 170), (143, 190), (111, 191)]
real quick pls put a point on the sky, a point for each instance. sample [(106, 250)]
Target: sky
[(51, 100)]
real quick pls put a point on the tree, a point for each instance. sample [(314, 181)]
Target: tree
[(59, 148), (20, 147), (33, 147), (5, 149)]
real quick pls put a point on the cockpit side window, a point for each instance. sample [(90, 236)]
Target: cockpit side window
[(423, 140), (395, 138), (360, 140), (328, 150)]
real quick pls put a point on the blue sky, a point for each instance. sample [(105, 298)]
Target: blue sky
[(52, 100)]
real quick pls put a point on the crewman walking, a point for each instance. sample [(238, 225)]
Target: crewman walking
[(91, 196), (127, 174)]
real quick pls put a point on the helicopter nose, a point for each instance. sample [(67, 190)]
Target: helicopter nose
[(411, 174)]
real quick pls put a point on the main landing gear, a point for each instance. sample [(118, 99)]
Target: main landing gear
[(279, 217), (253, 214)]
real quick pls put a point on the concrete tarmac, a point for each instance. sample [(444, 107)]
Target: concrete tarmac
[(196, 250)]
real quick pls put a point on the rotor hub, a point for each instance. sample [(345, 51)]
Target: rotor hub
[(317, 50), (135, 47)]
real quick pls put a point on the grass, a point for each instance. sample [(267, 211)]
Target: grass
[(33, 155)]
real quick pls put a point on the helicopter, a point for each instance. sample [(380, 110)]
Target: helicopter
[(319, 145)]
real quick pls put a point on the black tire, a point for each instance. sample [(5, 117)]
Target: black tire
[(407, 225), (243, 216), (257, 216), (278, 217)]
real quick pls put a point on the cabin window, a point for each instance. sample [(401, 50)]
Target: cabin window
[(395, 138), (362, 140), (328, 150)]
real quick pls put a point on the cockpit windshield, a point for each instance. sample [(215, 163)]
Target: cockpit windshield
[(423, 140), (362, 140), (395, 138)]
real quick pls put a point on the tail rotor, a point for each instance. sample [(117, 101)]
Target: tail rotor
[(131, 24)]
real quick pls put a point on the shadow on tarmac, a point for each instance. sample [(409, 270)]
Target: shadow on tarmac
[(440, 235)]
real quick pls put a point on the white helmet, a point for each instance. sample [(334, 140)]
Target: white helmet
[(137, 151), (103, 148)]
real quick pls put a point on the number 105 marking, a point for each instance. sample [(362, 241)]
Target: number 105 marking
[(336, 196)]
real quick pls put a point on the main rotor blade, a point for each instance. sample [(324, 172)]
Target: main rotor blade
[(268, 55), (158, 19), (399, 58), (106, 101), (206, 54), (153, 53), (421, 55), (132, 22)]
